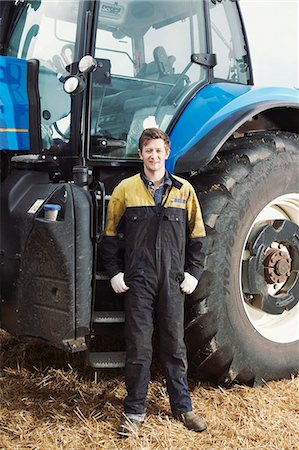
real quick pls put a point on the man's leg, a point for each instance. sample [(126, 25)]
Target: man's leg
[(170, 316), (138, 335), (173, 354)]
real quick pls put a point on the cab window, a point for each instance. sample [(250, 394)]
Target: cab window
[(228, 43), (149, 45)]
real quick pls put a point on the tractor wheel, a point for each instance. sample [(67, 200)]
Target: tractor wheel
[(242, 320)]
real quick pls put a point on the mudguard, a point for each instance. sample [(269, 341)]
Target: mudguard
[(213, 114)]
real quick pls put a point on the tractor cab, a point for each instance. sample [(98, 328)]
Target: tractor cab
[(152, 56)]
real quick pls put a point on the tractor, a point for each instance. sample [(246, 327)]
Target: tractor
[(80, 80)]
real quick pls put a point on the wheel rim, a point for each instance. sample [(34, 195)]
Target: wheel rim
[(282, 327)]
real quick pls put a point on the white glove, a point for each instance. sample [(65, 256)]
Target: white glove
[(189, 283), (118, 283)]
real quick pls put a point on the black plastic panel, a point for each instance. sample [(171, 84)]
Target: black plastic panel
[(46, 268)]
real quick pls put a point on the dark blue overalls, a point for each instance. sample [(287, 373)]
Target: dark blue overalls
[(159, 247)]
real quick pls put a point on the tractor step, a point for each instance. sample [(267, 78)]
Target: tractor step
[(107, 360), (108, 317)]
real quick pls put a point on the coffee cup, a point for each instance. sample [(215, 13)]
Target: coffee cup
[(51, 211)]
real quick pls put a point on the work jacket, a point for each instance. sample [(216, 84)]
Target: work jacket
[(164, 238)]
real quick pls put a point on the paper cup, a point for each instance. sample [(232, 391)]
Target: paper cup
[(51, 211)]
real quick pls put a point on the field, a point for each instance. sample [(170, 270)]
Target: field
[(49, 400)]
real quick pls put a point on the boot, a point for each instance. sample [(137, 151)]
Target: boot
[(128, 427), (192, 421)]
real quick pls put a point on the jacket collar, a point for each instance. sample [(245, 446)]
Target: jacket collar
[(168, 179), (176, 183)]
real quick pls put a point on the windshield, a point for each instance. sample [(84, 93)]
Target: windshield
[(149, 45)]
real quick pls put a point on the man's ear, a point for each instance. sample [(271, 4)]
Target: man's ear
[(167, 153), (140, 154)]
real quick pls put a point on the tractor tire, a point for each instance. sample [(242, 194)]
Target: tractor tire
[(242, 320)]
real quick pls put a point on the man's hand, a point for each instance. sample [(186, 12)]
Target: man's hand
[(189, 283), (118, 283)]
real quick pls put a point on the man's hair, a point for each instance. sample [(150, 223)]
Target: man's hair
[(153, 133)]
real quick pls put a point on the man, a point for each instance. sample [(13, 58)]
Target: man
[(159, 211)]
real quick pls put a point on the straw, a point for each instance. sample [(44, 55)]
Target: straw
[(49, 401)]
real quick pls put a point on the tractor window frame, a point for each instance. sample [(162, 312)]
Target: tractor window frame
[(238, 69)]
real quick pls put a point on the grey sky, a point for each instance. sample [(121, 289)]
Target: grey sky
[(272, 31)]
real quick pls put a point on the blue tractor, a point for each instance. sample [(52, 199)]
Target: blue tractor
[(79, 82)]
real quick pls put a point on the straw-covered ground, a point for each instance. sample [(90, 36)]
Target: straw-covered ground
[(48, 400)]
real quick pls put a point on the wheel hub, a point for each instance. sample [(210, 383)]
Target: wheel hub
[(271, 307), (278, 266), (270, 274)]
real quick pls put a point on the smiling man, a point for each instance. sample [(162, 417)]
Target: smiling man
[(163, 261)]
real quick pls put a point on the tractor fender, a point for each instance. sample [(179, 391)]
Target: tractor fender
[(213, 114)]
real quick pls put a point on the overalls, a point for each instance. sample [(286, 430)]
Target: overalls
[(161, 243)]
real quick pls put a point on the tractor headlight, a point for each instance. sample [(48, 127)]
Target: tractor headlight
[(74, 84)]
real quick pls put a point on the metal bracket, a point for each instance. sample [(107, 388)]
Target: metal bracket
[(75, 345), (208, 60), (101, 75)]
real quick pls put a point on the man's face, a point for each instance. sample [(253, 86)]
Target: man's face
[(154, 154)]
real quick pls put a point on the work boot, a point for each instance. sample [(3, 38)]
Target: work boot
[(192, 421), (128, 427)]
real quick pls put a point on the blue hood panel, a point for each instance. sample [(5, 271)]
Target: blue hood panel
[(14, 108), (213, 114)]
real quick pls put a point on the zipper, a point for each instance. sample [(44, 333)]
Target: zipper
[(158, 245)]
